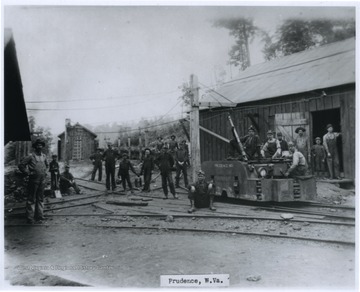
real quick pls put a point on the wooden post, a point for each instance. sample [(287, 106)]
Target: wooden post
[(146, 138), (194, 127), (129, 145)]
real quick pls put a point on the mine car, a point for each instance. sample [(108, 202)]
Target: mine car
[(261, 180)]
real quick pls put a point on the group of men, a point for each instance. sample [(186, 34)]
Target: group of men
[(297, 150)]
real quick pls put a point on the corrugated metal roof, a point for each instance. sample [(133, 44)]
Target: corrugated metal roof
[(326, 66)]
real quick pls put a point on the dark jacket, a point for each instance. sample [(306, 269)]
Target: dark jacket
[(165, 162), (148, 164), (124, 167), (54, 167), (97, 157), (110, 156)]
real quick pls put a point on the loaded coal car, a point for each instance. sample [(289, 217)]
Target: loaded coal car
[(260, 180)]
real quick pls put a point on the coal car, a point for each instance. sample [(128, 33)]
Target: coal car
[(260, 180)]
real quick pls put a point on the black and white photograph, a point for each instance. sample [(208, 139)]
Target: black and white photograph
[(172, 145)]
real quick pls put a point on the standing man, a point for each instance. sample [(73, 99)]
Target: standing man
[(173, 145), (165, 162), (301, 142), (299, 165), (271, 148), (201, 194), (330, 144), (35, 166), (54, 173), (96, 159), (110, 156), (159, 144), (146, 169), (181, 159)]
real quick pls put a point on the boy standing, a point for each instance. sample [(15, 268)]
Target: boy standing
[(124, 167), (54, 173)]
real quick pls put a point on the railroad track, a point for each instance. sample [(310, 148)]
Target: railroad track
[(228, 210)]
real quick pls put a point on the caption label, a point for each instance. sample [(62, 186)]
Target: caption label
[(212, 280)]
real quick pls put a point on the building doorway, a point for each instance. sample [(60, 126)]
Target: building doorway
[(319, 121)]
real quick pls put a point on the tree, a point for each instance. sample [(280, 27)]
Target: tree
[(243, 30), (296, 35)]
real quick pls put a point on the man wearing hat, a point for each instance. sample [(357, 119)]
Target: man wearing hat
[(147, 169), (96, 159), (318, 155), (124, 167), (173, 145), (271, 148), (299, 165), (110, 156), (330, 145), (301, 142), (165, 162), (251, 143), (54, 172), (67, 181), (201, 193), (35, 166)]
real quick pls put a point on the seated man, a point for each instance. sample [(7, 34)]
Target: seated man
[(201, 194), (298, 167), (67, 182)]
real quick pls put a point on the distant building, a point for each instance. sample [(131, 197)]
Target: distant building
[(311, 89), (78, 143)]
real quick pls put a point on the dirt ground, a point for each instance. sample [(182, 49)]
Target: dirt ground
[(66, 251)]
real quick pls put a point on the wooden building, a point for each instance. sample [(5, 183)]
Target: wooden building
[(77, 143), (311, 89)]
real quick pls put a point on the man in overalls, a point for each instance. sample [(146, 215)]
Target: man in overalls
[(329, 142), (272, 147), (301, 142), (35, 166), (54, 173)]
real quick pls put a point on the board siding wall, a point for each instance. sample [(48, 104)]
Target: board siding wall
[(212, 148)]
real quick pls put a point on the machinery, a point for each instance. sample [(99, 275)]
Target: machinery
[(261, 180)]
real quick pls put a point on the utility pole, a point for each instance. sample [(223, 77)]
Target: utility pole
[(66, 142), (194, 126)]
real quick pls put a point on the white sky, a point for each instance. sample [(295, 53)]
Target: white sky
[(121, 63)]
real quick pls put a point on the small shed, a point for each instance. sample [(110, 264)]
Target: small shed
[(77, 143), (311, 89)]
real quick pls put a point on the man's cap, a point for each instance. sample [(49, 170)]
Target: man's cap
[(172, 136), (279, 134), (183, 141), (38, 141), (201, 172), (54, 156), (147, 149), (317, 138), (291, 144), (251, 128), (270, 132), (165, 146), (328, 126), (300, 128), (67, 166)]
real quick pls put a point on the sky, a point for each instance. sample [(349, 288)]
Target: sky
[(104, 64)]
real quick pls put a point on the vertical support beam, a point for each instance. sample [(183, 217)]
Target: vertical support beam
[(129, 145), (146, 138), (194, 127)]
